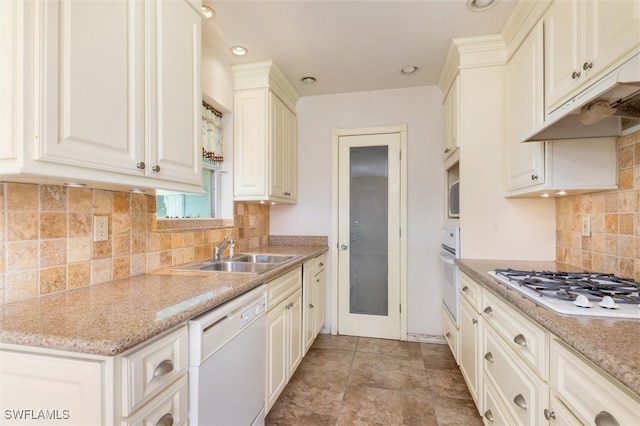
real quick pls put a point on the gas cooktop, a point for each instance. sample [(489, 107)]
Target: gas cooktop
[(576, 293)]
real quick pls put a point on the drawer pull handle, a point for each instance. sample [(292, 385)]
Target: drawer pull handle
[(474, 321), (520, 340), (549, 414), (166, 420), (488, 415), (489, 357), (465, 288), (165, 367), (448, 335), (520, 401), (604, 418), (488, 310)]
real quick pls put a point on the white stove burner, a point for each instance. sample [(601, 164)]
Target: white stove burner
[(580, 305)]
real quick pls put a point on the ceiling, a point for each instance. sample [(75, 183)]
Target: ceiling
[(348, 46)]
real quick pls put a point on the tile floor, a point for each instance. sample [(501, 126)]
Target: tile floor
[(345, 380)]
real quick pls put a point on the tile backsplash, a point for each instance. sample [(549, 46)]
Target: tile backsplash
[(46, 237), (614, 244)]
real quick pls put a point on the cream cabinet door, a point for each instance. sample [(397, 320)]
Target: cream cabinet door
[(319, 305), (174, 100), (451, 119), (470, 345), (308, 304), (277, 367), (89, 109), (294, 320), (50, 390), (525, 112)]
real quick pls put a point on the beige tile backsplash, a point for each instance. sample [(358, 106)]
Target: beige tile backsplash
[(47, 245), (614, 244)]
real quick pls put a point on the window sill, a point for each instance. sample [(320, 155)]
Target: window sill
[(172, 225)]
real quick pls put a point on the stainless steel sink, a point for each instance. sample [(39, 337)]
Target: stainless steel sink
[(242, 263)]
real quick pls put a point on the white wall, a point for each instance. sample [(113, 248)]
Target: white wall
[(420, 109)]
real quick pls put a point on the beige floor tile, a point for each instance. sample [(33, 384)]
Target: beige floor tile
[(300, 404), (387, 371), (373, 406), (326, 341), (448, 383), (438, 357), (454, 411), (391, 347), (325, 368)]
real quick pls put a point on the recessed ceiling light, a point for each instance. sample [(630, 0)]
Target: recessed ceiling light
[(480, 5), (409, 69), (308, 80), (239, 50), (208, 12)]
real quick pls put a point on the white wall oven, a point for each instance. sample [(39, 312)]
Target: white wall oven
[(450, 250)]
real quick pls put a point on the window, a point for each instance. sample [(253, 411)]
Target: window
[(189, 206), (172, 205)]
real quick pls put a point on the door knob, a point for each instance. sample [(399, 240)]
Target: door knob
[(344, 246)]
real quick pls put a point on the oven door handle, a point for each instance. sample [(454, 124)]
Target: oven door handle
[(447, 258)]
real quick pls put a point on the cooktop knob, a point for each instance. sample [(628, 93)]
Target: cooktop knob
[(582, 301), (608, 303)]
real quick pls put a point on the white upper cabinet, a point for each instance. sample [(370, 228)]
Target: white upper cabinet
[(525, 112), (264, 127), (583, 39), (114, 87), (451, 106)]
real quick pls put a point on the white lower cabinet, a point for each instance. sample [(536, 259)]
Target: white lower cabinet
[(519, 373), (470, 349), (284, 333), (144, 385), (589, 393), (313, 299), (451, 334)]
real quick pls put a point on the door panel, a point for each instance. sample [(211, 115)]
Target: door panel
[(369, 237)]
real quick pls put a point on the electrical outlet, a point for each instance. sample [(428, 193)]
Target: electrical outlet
[(586, 226), (253, 222), (100, 228)]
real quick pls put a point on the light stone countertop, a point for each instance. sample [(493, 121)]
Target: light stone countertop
[(109, 318), (611, 344)]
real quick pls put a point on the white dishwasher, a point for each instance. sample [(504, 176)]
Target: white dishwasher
[(227, 363)]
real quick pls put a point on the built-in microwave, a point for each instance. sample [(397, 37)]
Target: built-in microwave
[(453, 199)]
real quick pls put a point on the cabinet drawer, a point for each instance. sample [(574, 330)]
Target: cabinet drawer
[(588, 391), (320, 261), (520, 391), (494, 412), (281, 287), (170, 407), (148, 370), (525, 337), (471, 290), (560, 415), (450, 333)]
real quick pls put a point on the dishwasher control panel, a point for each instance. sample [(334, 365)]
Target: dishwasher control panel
[(252, 313)]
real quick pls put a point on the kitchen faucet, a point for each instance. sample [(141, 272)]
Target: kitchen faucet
[(223, 245)]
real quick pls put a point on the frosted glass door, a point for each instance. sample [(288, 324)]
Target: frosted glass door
[(368, 238), (368, 263)]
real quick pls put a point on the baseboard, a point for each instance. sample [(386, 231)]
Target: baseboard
[(426, 338)]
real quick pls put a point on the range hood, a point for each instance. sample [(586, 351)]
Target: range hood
[(597, 111)]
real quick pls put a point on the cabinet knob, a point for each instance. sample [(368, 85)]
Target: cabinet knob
[(604, 418), (321, 264), (287, 193), (520, 401), (489, 357), (155, 168), (165, 367), (488, 310), (166, 420), (534, 177), (446, 151), (520, 340), (575, 74), (488, 415), (474, 321), (465, 288), (549, 414), (587, 66), (311, 305), (140, 165)]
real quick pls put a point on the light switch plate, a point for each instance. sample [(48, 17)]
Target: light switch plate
[(100, 228)]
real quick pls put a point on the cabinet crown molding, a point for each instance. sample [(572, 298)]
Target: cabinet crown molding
[(267, 75)]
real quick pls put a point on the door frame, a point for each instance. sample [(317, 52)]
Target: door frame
[(336, 134)]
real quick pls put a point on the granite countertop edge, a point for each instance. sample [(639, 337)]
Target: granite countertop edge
[(586, 335), (152, 311)]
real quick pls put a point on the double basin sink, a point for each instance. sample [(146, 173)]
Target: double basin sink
[(242, 263)]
